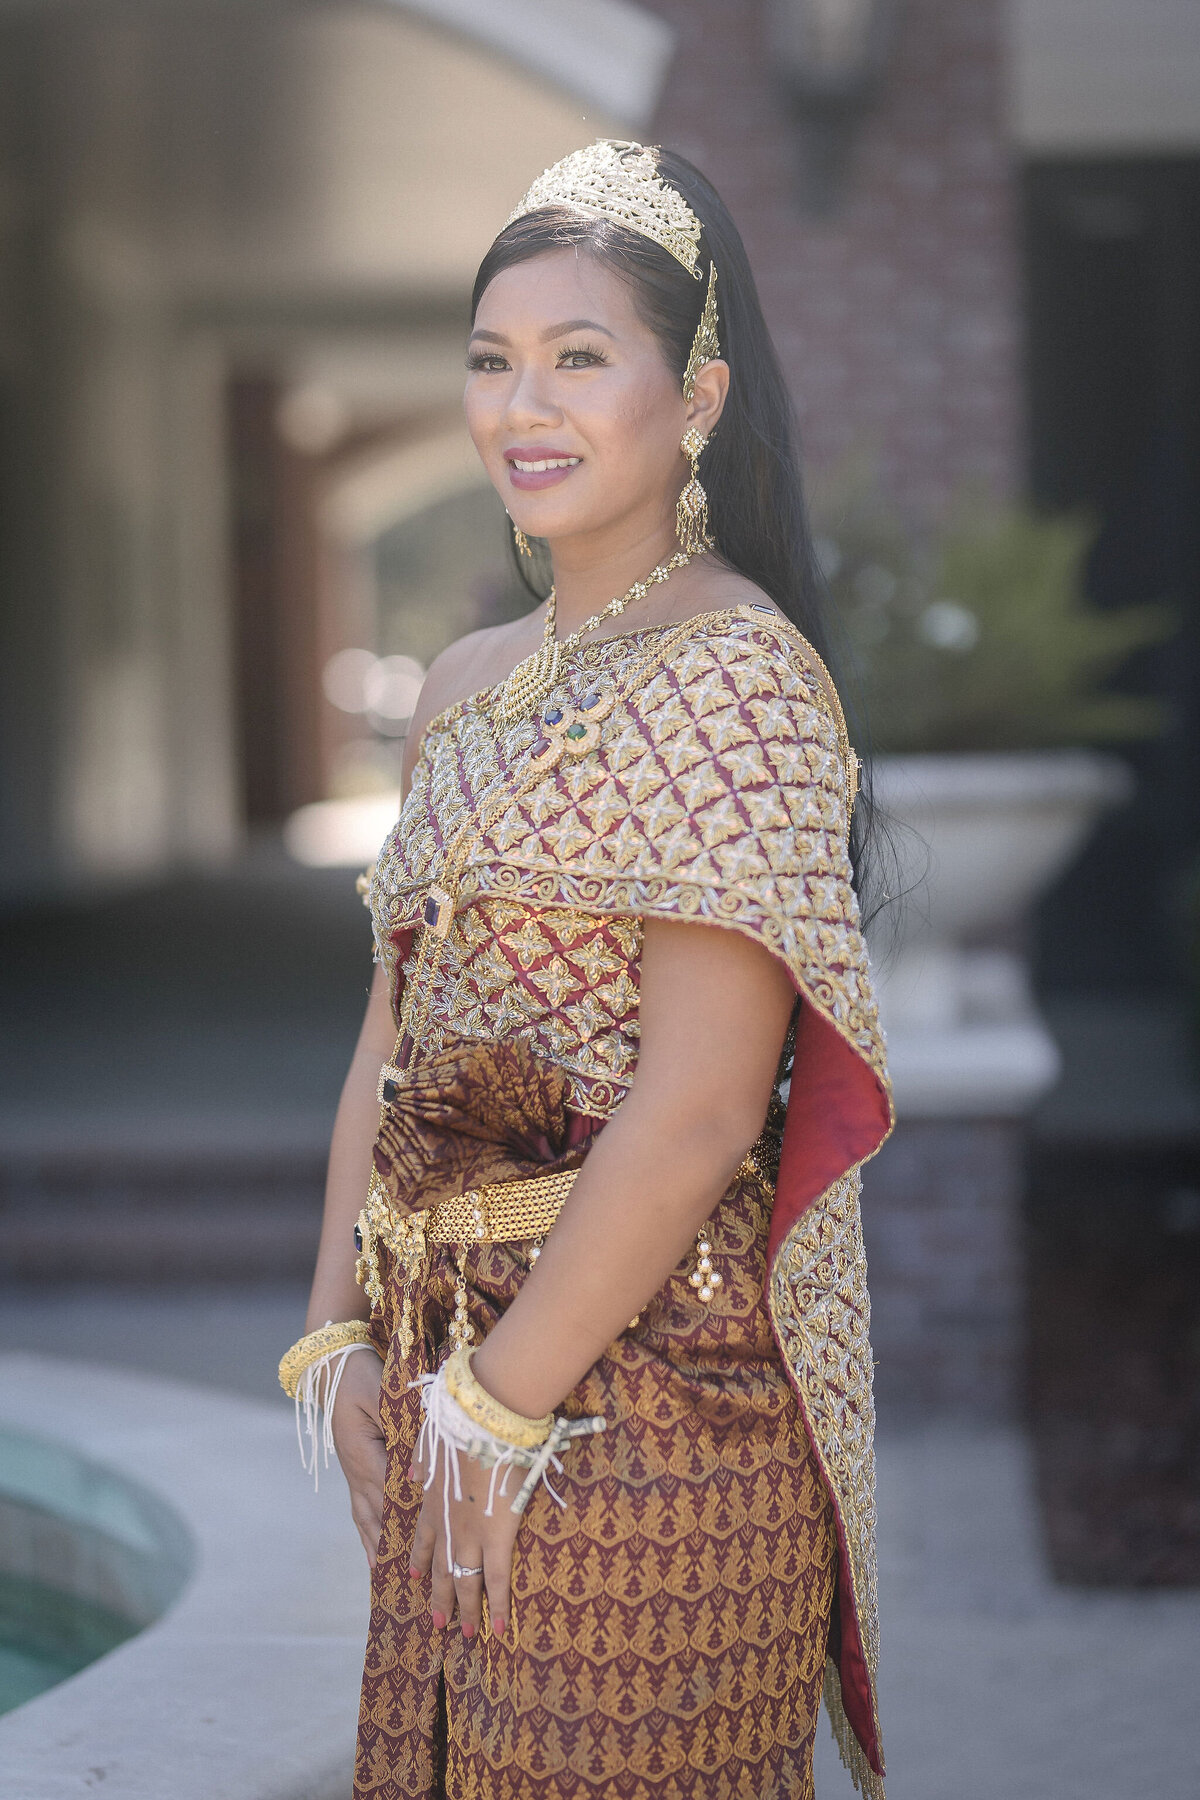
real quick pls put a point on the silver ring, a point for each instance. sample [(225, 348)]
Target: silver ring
[(460, 1574)]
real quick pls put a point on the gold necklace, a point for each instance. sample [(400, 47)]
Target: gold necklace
[(527, 685)]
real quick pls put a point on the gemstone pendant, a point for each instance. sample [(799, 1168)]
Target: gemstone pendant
[(438, 911), (390, 1078), (564, 729), (597, 703)]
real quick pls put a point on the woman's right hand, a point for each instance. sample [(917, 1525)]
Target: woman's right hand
[(359, 1442)]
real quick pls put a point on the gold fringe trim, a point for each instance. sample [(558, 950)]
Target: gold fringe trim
[(850, 1750)]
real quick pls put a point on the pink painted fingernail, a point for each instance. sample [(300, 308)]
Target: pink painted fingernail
[(468, 1631), (414, 1574), (499, 1627), (439, 1621), (414, 1474)]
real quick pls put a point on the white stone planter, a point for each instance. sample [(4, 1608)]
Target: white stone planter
[(979, 838)]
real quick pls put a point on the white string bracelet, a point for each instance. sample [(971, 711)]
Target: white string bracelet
[(310, 1400), (447, 1428)]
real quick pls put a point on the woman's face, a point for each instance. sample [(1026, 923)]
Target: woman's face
[(562, 371)]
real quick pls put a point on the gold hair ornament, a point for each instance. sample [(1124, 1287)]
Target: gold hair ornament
[(705, 345), (619, 180)]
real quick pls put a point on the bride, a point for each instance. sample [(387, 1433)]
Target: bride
[(609, 1450)]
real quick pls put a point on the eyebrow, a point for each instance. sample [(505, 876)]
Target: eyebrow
[(553, 331)]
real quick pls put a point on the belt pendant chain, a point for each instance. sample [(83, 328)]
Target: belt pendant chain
[(404, 1234)]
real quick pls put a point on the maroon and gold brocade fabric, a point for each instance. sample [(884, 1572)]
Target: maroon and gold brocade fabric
[(668, 1629), (477, 1113), (672, 1626)]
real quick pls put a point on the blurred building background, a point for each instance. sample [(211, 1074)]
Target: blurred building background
[(240, 516)]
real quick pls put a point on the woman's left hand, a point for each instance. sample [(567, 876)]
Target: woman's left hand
[(479, 1543)]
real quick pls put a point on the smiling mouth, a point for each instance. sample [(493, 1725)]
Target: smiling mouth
[(544, 463)]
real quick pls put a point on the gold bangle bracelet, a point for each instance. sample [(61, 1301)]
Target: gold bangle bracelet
[(317, 1344), (461, 1382)]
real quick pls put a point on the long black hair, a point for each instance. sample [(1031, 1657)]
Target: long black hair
[(750, 468)]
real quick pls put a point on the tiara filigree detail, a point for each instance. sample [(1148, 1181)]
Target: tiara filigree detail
[(619, 180)]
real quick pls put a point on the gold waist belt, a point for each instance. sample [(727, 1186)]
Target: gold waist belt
[(499, 1212)]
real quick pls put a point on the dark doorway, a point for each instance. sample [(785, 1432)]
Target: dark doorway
[(274, 553), (1113, 295), (1113, 1217)]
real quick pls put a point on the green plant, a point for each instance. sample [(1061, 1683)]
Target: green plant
[(984, 638)]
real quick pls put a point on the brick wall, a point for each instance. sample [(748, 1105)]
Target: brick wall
[(899, 315)]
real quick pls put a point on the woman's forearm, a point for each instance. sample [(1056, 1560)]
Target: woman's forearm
[(335, 1292), (649, 1183), (713, 1014)]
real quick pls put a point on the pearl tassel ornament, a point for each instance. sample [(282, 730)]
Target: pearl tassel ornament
[(704, 1278)]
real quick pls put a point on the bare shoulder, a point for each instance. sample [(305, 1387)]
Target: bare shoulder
[(726, 587), (470, 663)]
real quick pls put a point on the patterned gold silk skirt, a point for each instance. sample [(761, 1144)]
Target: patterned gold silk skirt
[(668, 1632)]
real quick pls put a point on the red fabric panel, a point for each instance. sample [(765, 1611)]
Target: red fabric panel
[(837, 1115)]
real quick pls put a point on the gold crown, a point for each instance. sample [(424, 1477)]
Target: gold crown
[(616, 180)]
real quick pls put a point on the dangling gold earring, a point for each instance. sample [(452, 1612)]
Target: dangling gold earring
[(691, 512), (519, 538)]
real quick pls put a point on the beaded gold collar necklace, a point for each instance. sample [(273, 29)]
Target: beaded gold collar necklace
[(524, 689)]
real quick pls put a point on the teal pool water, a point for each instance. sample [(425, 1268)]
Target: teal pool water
[(88, 1558), (46, 1635)]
